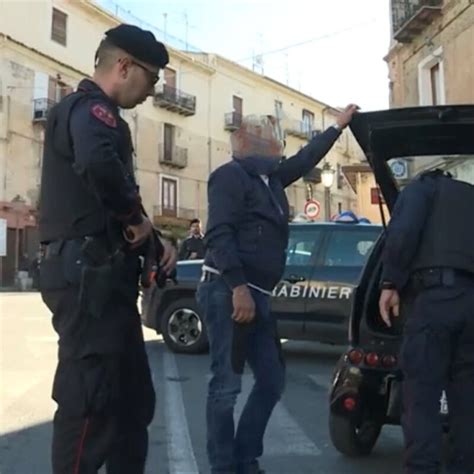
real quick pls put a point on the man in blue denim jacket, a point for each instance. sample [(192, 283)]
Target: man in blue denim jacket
[(246, 239)]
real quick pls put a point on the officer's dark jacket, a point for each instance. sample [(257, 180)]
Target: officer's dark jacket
[(87, 173), (192, 245), (247, 230), (430, 228)]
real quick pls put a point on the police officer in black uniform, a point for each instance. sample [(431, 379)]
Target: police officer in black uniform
[(93, 230), (429, 270)]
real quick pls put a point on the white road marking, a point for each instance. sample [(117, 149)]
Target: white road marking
[(283, 436), (180, 450), (321, 380)]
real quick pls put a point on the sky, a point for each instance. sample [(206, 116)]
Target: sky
[(330, 49)]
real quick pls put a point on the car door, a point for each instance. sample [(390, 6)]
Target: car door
[(288, 301), (333, 279)]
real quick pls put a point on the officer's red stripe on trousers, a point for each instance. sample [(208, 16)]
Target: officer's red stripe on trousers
[(80, 448)]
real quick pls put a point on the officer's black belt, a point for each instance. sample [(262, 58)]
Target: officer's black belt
[(55, 247), (440, 277)]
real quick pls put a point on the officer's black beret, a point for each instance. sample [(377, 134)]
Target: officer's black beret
[(140, 44)]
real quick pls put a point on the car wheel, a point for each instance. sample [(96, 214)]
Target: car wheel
[(353, 439), (183, 328)]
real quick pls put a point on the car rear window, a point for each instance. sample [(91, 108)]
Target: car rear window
[(350, 248)]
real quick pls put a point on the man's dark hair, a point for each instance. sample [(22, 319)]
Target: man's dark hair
[(106, 55), (195, 221)]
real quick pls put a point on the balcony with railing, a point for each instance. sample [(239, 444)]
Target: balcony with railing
[(175, 157), (160, 213), (410, 17), (175, 100), (299, 129), (233, 120), (41, 108)]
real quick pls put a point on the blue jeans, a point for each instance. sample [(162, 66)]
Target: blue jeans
[(231, 451)]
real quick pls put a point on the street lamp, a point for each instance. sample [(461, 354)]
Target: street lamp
[(327, 178)]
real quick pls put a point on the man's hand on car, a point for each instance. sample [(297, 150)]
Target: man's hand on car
[(244, 305), (136, 235), (168, 261), (389, 302), (346, 115)]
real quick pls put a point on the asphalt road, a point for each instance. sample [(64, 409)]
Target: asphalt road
[(297, 439)]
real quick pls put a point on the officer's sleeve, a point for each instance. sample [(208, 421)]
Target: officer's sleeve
[(405, 230), (226, 206), (292, 169), (95, 138)]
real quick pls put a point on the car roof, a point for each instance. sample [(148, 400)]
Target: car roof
[(329, 224)]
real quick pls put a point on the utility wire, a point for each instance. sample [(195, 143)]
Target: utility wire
[(312, 40)]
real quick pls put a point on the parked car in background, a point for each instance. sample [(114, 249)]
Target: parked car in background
[(311, 302)]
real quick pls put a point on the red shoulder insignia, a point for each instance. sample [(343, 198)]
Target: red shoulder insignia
[(104, 115)]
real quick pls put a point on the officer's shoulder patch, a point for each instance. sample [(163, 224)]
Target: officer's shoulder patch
[(104, 114)]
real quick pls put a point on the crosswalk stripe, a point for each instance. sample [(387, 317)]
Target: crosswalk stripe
[(283, 436), (321, 380), (180, 450)]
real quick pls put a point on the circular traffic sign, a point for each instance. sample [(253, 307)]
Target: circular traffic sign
[(312, 209)]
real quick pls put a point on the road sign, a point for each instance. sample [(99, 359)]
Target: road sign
[(3, 237), (312, 208)]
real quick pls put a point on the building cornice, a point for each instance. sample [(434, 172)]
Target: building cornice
[(55, 62), (266, 80)]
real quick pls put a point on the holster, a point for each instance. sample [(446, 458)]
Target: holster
[(100, 271), (151, 270)]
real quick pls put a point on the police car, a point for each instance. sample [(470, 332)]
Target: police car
[(366, 388), (311, 302)]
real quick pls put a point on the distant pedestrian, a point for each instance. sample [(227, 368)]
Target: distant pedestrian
[(193, 247)]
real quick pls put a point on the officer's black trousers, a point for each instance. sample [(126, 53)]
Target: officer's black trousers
[(438, 354), (102, 386)]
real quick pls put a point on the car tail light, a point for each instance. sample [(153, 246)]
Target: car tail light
[(389, 361), (350, 404), (356, 356), (372, 359)]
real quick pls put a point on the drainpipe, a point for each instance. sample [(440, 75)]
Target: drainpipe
[(209, 139)]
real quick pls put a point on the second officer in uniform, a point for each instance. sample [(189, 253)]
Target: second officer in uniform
[(429, 269), (89, 274)]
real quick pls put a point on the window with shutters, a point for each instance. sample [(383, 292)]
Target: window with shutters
[(169, 197), (168, 142), (308, 121), (59, 27)]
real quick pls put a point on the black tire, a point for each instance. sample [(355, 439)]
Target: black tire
[(353, 440), (183, 328)]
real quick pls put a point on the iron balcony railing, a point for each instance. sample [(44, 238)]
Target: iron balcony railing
[(233, 120), (178, 212), (410, 17), (300, 129), (176, 100), (176, 156)]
